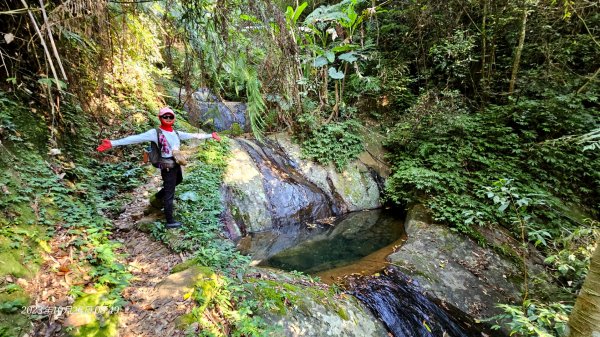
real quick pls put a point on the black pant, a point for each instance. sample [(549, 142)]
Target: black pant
[(171, 178)]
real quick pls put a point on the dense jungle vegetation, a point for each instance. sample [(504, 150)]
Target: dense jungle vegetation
[(489, 108)]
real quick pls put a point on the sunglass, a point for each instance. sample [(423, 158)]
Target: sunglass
[(168, 117)]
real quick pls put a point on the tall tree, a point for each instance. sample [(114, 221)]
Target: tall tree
[(517, 59), (585, 318)]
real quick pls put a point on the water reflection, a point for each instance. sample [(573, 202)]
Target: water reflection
[(325, 247)]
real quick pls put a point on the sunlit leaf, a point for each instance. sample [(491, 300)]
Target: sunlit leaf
[(348, 57), (320, 61), (335, 74)]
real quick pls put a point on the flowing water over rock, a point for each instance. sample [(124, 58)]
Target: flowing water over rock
[(406, 311), (352, 244)]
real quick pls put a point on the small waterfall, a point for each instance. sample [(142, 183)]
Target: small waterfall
[(406, 311)]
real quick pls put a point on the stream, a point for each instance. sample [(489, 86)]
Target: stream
[(338, 249)]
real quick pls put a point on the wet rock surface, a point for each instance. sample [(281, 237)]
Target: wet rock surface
[(321, 313), (400, 302), (268, 185), (455, 269)]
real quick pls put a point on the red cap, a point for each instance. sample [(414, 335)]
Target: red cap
[(164, 111)]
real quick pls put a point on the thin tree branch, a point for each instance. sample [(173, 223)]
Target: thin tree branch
[(54, 50), (585, 25), (4, 64), (43, 42), (591, 79)]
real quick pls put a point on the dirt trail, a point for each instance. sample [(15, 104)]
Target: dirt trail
[(146, 312)]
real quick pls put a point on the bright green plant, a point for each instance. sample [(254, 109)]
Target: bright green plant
[(571, 253), (336, 143), (534, 319), (332, 49), (453, 57)]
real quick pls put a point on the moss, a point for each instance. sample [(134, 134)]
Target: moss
[(182, 322), (280, 295), (19, 298), (12, 322), (184, 265), (102, 324), (507, 251), (11, 263), (32, 128), (146, 225), (13, 325), (101, 327), (275, 294), (235, 130), (343, 314)]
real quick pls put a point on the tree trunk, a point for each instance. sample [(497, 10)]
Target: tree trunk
[(585, 318), (517, 60)]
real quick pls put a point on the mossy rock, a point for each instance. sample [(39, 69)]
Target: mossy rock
[(184, 265), (100, 322), (13, 325), (297, 306)]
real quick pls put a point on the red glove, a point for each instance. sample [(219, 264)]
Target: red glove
[(216, 137), (104, 146)]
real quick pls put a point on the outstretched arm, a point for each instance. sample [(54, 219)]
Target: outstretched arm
[(148, 136), (186, 136)]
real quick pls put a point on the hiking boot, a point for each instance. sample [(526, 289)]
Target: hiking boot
[(174, 225)]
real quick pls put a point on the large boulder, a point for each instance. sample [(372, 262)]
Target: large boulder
[(309, 309), (247, 202), (355, 188), (269, 185), (457, 270), (207, 109)]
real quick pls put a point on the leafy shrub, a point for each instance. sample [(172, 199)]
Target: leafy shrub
[(535, 319), (337, 143), (572, 251), (445, 157)]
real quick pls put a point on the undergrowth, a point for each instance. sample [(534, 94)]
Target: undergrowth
[(55, 205), (336, 142)]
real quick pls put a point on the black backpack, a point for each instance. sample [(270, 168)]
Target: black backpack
[(153, 154)]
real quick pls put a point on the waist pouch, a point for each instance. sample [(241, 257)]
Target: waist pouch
[(166, 163)]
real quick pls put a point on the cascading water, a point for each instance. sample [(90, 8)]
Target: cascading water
[(306, 232), (406, 311)]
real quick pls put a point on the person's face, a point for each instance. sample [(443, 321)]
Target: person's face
[(168, 119)]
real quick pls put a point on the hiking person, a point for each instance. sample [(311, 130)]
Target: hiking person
[(170, 161)]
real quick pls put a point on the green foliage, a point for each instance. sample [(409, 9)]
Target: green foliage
[(453, 56), (534, 319), (445, 157), (571, 253), (336, 143)]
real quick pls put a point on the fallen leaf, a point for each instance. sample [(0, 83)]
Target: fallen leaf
[(9, 38)]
